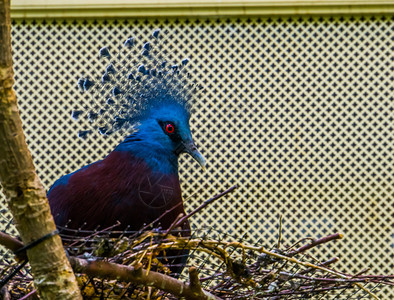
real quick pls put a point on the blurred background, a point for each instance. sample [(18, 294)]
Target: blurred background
[(297, 110)]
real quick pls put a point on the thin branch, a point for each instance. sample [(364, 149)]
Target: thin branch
[(30, 295), (137, 275), (206, 203), (280, 231), (174, 224), (310, 291), (218, 249), (323, 264), (12, 244), (315, 243), (160, 217), (285, 276), (96, 233)]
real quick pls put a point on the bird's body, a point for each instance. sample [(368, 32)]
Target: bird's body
[(138, 181), (121, 187)]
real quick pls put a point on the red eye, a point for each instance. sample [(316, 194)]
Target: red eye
[(170, 128)]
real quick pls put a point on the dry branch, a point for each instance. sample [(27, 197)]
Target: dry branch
[(244, 270), (13, 244), (315, 243), (202, 206), (103, 269), (264, 276), (107, 270)]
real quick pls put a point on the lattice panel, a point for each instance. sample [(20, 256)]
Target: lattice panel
[(297, 111)]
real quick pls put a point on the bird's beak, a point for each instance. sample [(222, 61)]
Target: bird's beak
[(193, 151)]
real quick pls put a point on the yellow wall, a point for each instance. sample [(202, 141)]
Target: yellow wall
[(179, 8)]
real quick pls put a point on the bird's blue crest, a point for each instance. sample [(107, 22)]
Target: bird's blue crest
[(135, 80)]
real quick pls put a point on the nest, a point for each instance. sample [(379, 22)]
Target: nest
[(157, 264)]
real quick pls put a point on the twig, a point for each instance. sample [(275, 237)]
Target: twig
[(174, 224), (314, 243), (96, 233), (7, 278), (383, 277), (160, 217), (323, 264), (140, 247), (30, 295), (298, 242), (280, 231), (361, 272), (288, 276), (206, 203), (312, 290), (13, 244)]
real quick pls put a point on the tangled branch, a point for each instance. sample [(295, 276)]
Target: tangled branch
[(137, 265)]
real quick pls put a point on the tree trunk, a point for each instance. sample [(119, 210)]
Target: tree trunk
[(53, 276)]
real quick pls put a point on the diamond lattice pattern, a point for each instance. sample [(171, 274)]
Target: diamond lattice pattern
[(297, 111)]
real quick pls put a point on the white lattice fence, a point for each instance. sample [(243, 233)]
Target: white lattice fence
[(297, 111)]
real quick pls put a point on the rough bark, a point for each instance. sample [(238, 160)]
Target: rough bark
[(53, 275)]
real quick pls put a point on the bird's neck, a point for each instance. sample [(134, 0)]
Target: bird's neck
[(153, 154)]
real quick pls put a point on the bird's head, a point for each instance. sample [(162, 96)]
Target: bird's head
[(150, 100), (164, 128)]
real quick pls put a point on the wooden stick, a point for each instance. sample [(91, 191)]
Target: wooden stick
[(314, 243), (13, 244), (136, 274)]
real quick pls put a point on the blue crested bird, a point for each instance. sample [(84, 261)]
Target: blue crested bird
[(138, 181)]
